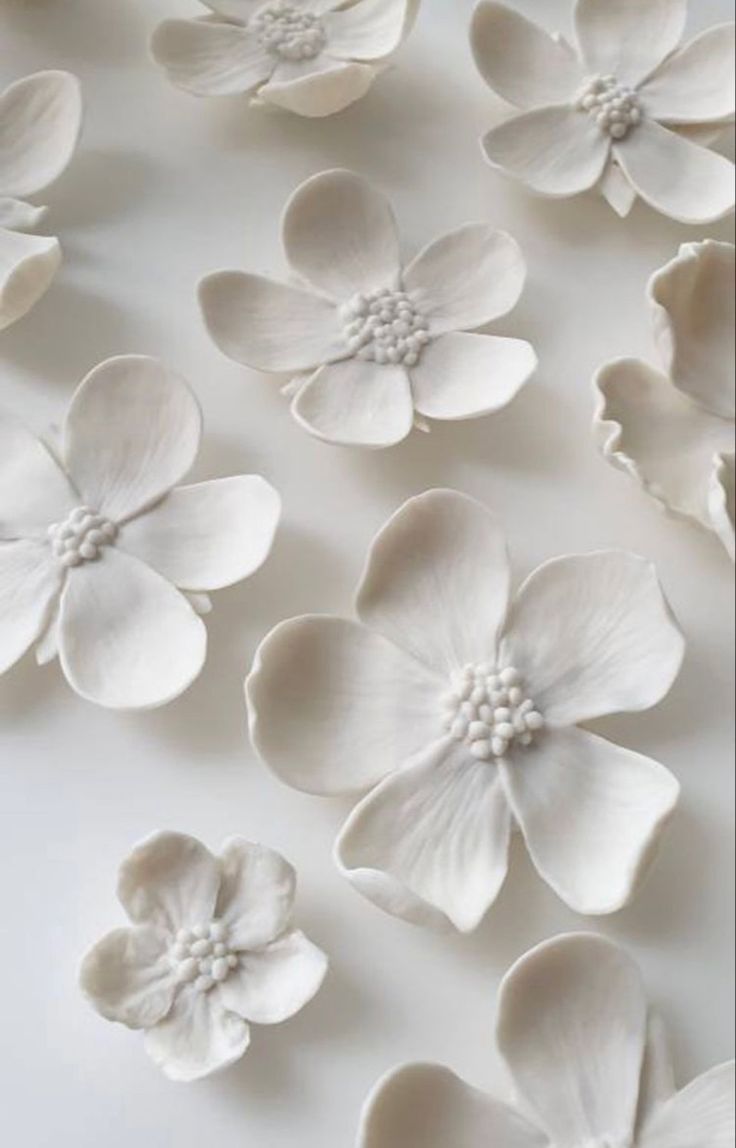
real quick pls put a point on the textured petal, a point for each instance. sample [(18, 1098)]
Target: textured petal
[(334, 708), (127, 976), (722, 501), (40, 121), (317, 88), (211, 59), (591, 813), (131, 434), (695, 85), (17, 215), (128, 638), (357, 403), (256, 896), (519, 60), (556, 151), (29, 585), (170, 881), (34, 491), (466, 278), (701, 1116), (28, 264), (368, 30), (592, 634), (272, 985), (571, 1027), (460, 376), (207, 536), (628, 38), (197, 1038), (430, 843), (437, 581)]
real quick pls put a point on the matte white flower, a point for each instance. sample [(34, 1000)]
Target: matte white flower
[(459, 715), (375, 346), (211, 947), (674, 431), (40, 122), (104, 559), (630, 110), (590, 1064), (312, 57)]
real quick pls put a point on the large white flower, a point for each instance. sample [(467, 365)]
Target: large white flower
[(104, 559), (629, 110), (674, 431), (590, 1064), (212, 946), (459, 715), (375, 346), (40, 121), (312, 57)]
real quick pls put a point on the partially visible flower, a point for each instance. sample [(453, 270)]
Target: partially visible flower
[(104, 559), (674, 430), (40, 122), (629, 110), (588, 1058), (212, 947), (374, 346), (312, 57)]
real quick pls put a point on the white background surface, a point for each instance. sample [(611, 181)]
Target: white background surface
[(163, 190)]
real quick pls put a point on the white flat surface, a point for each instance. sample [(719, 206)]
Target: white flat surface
[(163, 190)]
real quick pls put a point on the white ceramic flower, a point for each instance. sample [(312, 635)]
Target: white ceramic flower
[(312, 57), (458, 713), (590, 1064), (104, 559), (629, 110), (674, 431), (375, 346), (211, 947), (40, 122)]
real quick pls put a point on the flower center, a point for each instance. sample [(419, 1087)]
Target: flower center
[(614, 107), (489, 710), (81, 537), (201, 956), (385, 327), (288, 32)]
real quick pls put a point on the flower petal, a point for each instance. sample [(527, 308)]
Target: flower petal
[(340, 235), (128, 638), (628, 38), (593, 635), (170, 881), (197, 1038), (28, 264), (29, 585), (466, 278), (461, 376), (256, 896), (319, 87), (357, 403), (211, 59), (34, 491), (557, 151), (617, 191), (268, 325), (701, 1116), (40, 121), (207, 536), (695, 85), (273, 985), (657, 1074), (437, 581), (368, 30), (430, 843), (17, 215), (591, 813), (722, 501), (128, 978), (131, 434), (334, 708), (519, 60)]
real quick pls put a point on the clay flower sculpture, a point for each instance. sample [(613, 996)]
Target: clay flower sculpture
[(458, 714), (211, 947), (589, 1061), (40, 121), (629, 110), (104, 559), (674, 431), (312, 57), (372, 347)]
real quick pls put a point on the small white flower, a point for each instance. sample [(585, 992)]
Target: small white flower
[(104, 559), (674, 431), (312, 57), (211, 947), (458, 713), (589, 1060), (40, 122), (374, 346), (628, 110)]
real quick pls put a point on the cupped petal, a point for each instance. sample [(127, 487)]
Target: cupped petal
[(357, 403), (29, 584), (368, 30), (436, 581), (128, 977), (519, 60), (430, 843), (628, 38), (557, 151), (592, 634), (28, 264), (34, 491), (256, 897), (334, 708), (198, 1037), (317, 88), (703, 1115), (169, 882), (722, 501), (274, 984), (461, 376), (591, 813), (695, 86), (211, 59), (17, 215), (128, 638), (571, 1027), (40, 122)]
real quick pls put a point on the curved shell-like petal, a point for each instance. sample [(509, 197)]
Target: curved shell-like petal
[(317, 88), (29, 584), (556, 151), (357, 403), (34, 491), (462, 376), (695, 86), (40, 122), (170, 881), (275, 983), (628, 38), (28, 264), (519, 60), (701, 1116), (198, 1036), (128, 978), (368, 30), (211, 59), (722, 502), (256, 897)]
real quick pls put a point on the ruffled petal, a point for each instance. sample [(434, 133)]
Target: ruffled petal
[(368, 30), (28, 264), (722, 502), (211, 59), (40, 121), (461, 376), (319, 87), (701, 1116), (695, 86), (520, 61), (170, 881), (34, 491), (128, 977), (556, 151), (29, 584), (273, 985), (256, 897), (357, 403), (197, 1038), (628, 38)]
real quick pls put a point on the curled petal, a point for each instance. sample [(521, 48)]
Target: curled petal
[(317, 88), (197, 1037), (169, 882), (211, 59), (28, 264), (722, 502), (520, 61), (256, 897), (40, 122), (628, 38), (128, 977), (461, 376), (275, 983), (695, 86), (556, 150), (357, 403), (17, 215), (368, 30), (29, 585)]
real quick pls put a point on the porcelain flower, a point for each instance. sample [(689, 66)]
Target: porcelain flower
[(457, 712), (211, 947), (628, 111), (589, 1061), (674, 430), (312, 57), (104, 559), (40, 121), (373, 346)]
